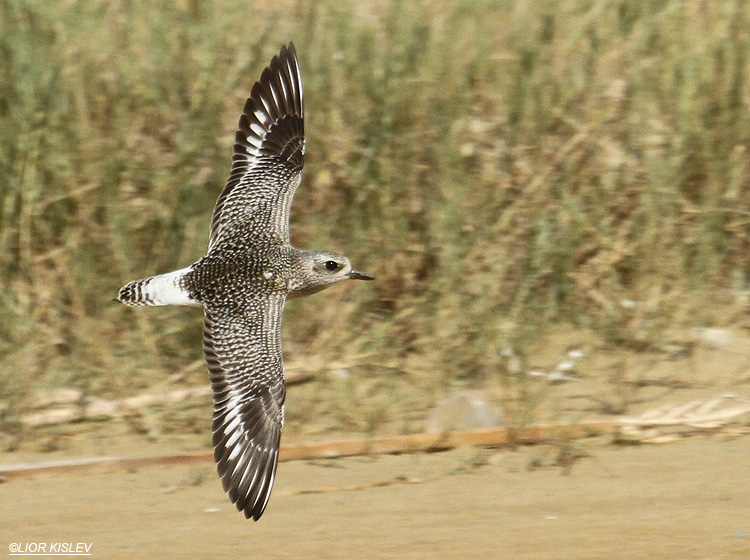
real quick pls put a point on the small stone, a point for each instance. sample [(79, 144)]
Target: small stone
[(713, 337), (462, 411)]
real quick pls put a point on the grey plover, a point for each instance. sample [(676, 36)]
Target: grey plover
[(248, 273)]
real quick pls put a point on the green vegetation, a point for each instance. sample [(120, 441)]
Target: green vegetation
[(502, 167)]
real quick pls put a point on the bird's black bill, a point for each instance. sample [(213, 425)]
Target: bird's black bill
[(357, 275)]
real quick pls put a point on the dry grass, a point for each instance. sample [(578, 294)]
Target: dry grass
[(500, 166)]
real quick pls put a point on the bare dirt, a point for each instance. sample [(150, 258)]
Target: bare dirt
[(688, 499)]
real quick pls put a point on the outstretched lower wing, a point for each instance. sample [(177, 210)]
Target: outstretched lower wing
[(243, 354), (268, 157)]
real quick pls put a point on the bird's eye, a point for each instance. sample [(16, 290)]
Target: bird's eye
[(331, 265)]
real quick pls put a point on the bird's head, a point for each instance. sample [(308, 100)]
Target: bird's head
[(320, 269)]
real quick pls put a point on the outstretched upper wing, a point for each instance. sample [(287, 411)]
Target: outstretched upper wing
[(243, 354), (268, 157)]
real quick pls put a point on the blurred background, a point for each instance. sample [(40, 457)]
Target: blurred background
[(546, 192)]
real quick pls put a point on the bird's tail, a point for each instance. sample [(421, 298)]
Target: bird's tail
[(164, 289)]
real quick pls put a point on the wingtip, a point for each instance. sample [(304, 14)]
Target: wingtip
[(272, 123), (288, 50), (253, 509), (252, 514)]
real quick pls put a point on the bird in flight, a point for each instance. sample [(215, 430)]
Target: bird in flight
[(248, 272)]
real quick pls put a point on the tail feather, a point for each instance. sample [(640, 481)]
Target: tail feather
[(164, 289)]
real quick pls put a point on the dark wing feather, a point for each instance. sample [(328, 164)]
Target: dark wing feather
[(243, 354), (268, 157)]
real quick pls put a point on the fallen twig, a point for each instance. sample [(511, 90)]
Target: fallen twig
[(495, 437)]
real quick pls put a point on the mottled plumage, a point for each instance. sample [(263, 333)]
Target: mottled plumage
[(249, 271)]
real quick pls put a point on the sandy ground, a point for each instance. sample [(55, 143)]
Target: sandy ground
[(687, 499)]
